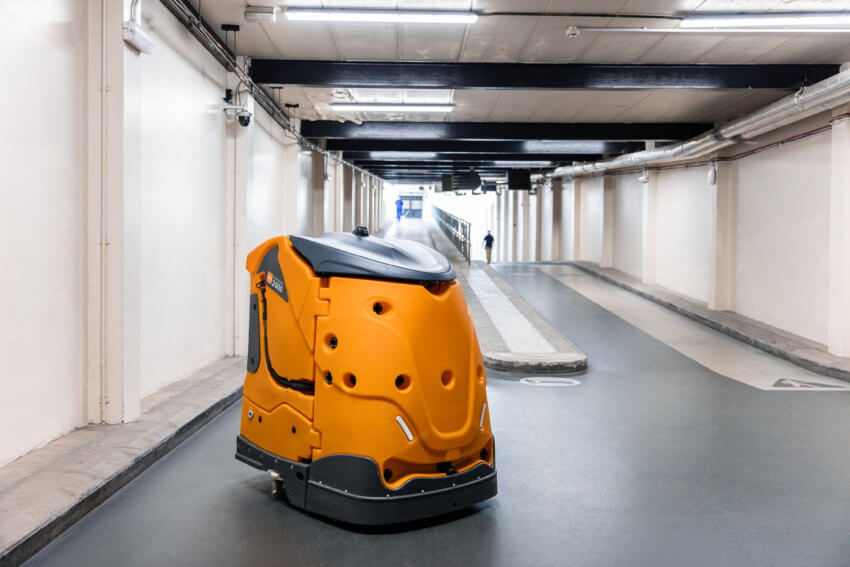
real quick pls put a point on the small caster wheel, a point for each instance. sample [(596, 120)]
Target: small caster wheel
[(277, 488)]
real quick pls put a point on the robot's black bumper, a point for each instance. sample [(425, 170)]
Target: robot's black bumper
[(349, 488)]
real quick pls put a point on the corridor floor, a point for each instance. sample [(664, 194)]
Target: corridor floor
[(650, 459)]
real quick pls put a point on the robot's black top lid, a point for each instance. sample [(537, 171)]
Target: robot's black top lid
[(357, 254)]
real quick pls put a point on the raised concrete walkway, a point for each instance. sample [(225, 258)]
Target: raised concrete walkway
[(800, 351), (513, 336), (46, 491)]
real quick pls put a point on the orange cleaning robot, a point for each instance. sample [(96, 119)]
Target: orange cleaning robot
[(365, 393)]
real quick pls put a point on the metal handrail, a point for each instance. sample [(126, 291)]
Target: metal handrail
[(455, 228)]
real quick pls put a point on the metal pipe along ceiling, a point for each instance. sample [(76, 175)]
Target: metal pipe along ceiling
[(825, 95), (220, 51)]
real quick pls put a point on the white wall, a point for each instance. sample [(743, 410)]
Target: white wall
[(782, 235), (628, 225), (42, 233), (590, 225), (684, 214), (184, 215), (273, 192)]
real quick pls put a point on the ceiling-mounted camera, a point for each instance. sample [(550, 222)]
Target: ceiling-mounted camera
[(244, 118)]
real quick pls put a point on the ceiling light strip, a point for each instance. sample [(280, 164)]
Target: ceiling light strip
[(715, 30), (381, 16), (402, 107)]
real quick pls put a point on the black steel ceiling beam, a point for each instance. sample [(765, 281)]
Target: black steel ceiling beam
[(430, 75), (452, 157), (466, 146), (502, 130), (438, 164)]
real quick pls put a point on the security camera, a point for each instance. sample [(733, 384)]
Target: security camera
[(573, 32), (244, 118)]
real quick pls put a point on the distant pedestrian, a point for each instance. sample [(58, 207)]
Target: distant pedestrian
[(399, 208), (488, 245)]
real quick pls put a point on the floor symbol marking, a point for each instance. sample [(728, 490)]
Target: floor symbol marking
[(789, 383), (549, 381)]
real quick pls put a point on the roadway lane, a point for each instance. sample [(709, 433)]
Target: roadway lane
[(651, 460)]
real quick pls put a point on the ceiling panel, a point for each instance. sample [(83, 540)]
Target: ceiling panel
[(303, 40), (744, 48), (549, 44), (497, 38), (422, 42), (562, 106), (682, 48), (473, 106), (660, 7), (585, 6), (751, 102), (608, 106), (515, 106), (679, 105), (802, 48), (366, 41)]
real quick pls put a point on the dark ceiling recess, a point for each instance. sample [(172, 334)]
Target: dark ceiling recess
[(465, 146), (454, 157), (392, 74), (502, 130)]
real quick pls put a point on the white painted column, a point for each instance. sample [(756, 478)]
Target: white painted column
[(318, 184), (357, 199), (576, 220), (544, 222), (523, 230), (236, 327), (513, 225), (607, 260), (649, 228), (531, 232), (838, 331), (721, 239), (556, 220), (114, 219), (348, 180)]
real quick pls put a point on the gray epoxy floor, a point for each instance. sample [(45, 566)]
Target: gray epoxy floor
[(651, 460)]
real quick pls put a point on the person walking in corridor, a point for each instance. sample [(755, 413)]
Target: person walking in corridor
[(399, 209), (488, 245)]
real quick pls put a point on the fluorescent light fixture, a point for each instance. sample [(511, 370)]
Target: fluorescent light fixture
[(261, 14), (402, 155), (381, 107), (762, 20), (521, 164), (381, 16)]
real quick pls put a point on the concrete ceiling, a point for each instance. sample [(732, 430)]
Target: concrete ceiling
[(529, 35), (533, 39)]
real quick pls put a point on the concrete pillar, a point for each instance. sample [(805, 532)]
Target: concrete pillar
[(649, 220), (357, 198), (513, 225), (523, 234), (544, 222), (838, 325), (576, 220), (501, 227), (556, 220), (114, 219), (607, 260), (348, 179), (236, 328), (318, 193), (533, 226), (721, 239)]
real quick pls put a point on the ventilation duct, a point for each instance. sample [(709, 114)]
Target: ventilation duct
[(825, 95)]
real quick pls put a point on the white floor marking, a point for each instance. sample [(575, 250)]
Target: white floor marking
[(714, 350), (519, 334), (549, 381)]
